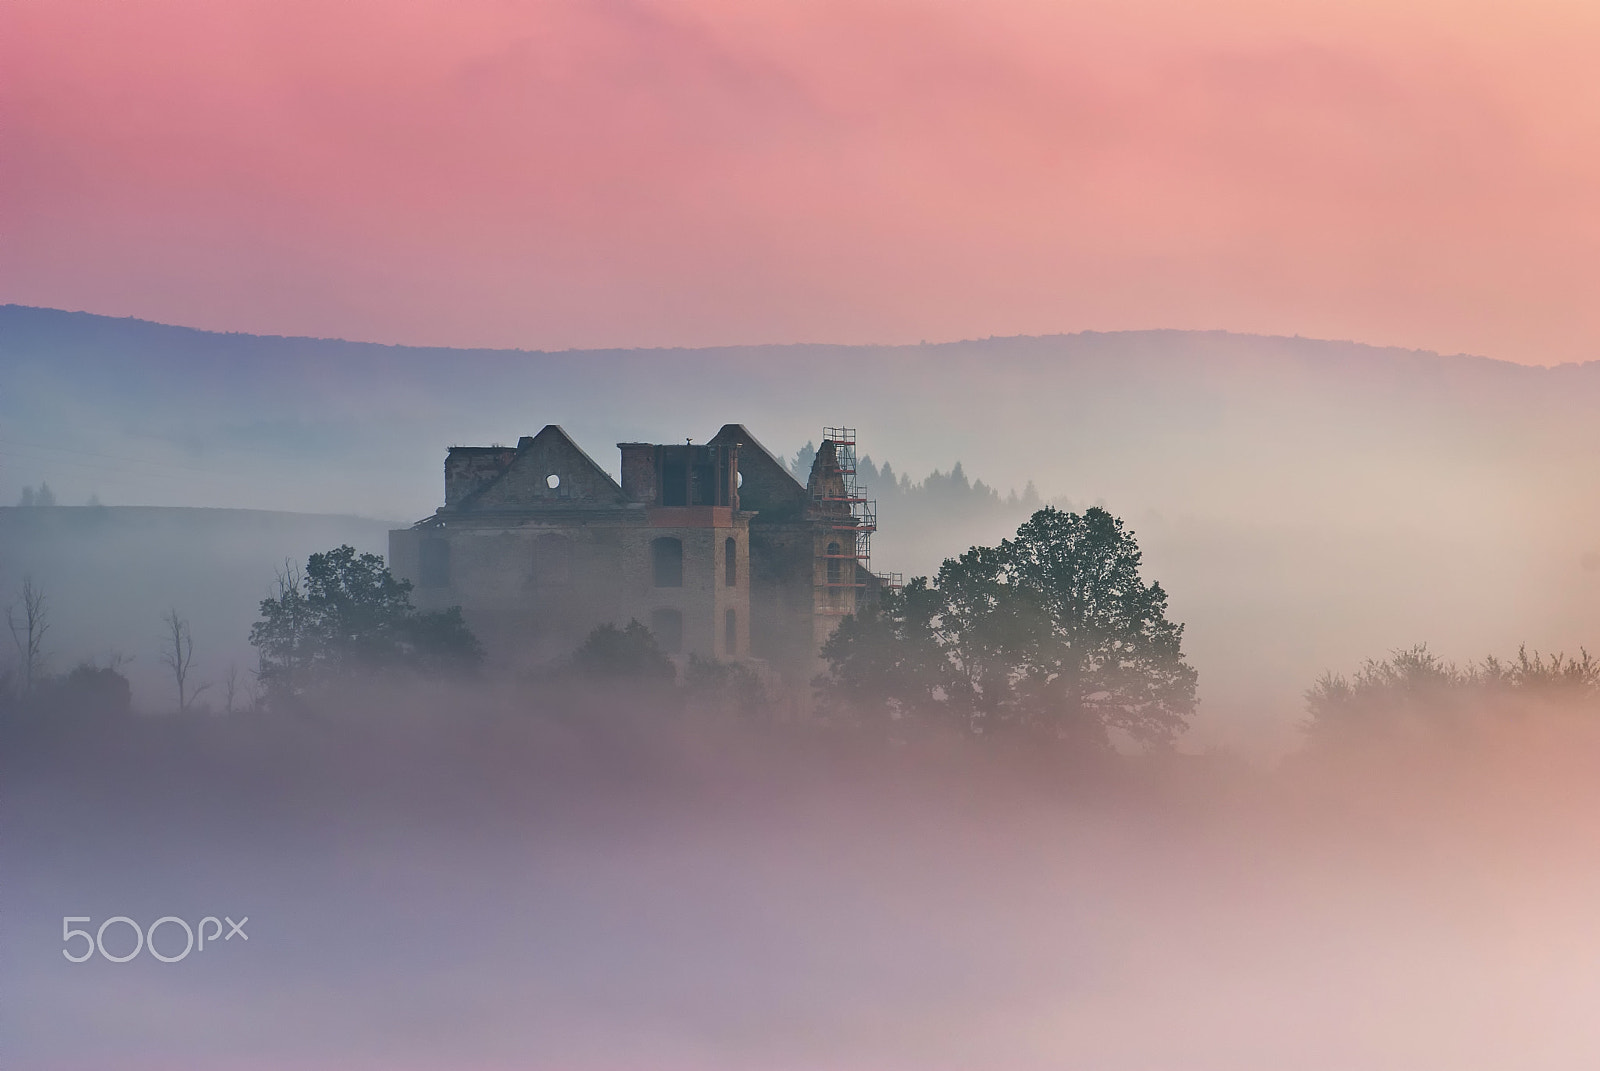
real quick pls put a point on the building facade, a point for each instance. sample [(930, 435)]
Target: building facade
[(716, 547)]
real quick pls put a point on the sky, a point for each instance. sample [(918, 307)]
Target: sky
[(703, 172)]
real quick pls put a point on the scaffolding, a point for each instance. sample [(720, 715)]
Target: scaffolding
[(845, 506)]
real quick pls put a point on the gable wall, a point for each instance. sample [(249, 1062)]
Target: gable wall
[(524, 483)]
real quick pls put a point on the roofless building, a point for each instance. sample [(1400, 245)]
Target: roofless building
[(715, 547)]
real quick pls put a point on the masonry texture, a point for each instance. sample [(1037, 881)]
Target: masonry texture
[(715, 547)]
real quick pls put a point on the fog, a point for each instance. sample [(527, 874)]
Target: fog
[(445, 879), (109, 573), (1305, 504), (487, 877)]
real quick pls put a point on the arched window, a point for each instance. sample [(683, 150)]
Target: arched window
[(835, 566), (730, 562), (666, 561), (730, 630), (668, 628)]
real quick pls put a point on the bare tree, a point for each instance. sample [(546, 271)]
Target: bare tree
[(29, 619), (230, 687), (177, 654), (257, 689)]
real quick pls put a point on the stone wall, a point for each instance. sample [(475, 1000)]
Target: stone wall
[(538, 546)]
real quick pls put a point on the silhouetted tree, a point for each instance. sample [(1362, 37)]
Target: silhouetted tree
[(1416, 694), (1560, 677), (347, 612), (230, 688), (800, 467), (40, 496), (89, 690), (28, 619), (628, 655), (1053, 629), (887, 660), (177, 654), (731, 687)]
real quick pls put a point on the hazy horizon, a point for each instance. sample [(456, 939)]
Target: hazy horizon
[(1307, 504)]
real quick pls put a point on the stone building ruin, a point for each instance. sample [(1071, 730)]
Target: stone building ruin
[(717, 548)]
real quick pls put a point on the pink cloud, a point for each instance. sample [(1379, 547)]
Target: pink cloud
[(568, 173)]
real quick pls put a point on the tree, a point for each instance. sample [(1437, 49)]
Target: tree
[(177, 654), (1410, 689), (1416, 695), (1054, 630), (888, 659), (628, 655), (804, 458), (29, 620), (230, 688), (43, 496), (729, 687), (89, 690), (348, 613)]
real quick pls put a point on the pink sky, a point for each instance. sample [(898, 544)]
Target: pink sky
[(608, 172)]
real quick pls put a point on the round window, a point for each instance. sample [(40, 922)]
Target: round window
[(552, 481)]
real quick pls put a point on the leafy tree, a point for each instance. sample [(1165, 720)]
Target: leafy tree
[(627, 655), (1054, 629), (889, 659), (1409, 688), (1560, 677), (347, 612), (732, 687), (1415, 694), (1093, 637), (89, 690)]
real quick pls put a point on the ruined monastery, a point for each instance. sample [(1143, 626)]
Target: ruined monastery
[(715, 547)]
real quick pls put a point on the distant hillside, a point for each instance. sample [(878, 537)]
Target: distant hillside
[(141, 412), (1306, 502)]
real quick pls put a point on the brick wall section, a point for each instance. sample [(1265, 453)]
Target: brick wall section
[(469, 469), (639, 471)]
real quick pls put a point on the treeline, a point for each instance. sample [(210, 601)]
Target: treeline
[(1415, 696), (29, 690), (1053, 635), (43, 497), (946, 491), (344, 615), (345, 620)]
